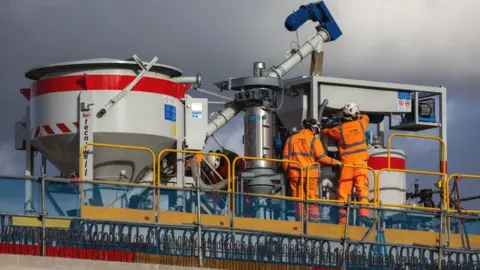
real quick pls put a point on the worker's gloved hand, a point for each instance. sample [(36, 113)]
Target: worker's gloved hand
[(340, 164)]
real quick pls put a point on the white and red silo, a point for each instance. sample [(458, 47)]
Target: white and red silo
[(392, 184), (66, 111)]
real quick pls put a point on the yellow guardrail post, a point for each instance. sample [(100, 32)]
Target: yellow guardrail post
[(442, 174), (116, 146), (164, 151), (267, 195), (432, 209), (443, 166)]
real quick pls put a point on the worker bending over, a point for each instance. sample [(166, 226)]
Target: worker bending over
[(352, 147), (306, 149)]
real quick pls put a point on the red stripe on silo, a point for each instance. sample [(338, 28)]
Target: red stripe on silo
[(378, 163), (63, 128), (107, 82), (37, 132), (48, 129)]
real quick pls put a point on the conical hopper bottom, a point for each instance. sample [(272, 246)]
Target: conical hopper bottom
[(63, 151)]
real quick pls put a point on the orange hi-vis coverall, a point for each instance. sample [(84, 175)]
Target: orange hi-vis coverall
[(305, 149), (352, 147)]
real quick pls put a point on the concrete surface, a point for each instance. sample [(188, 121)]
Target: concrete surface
[(15, 262)]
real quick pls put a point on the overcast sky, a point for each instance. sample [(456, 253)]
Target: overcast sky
[(426, 42)]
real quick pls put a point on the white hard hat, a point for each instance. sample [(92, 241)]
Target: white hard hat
[(351, 109), (213, 161)]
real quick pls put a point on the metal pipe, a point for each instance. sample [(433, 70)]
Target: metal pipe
[(42, 199), (297, 57), (212, 94), (471, 198), (223, 116), (197, 80), (112, 102), (195, 167), (42, 216), (217, 102), (316, 66), (345, 234), (440, 235), (199, 224)]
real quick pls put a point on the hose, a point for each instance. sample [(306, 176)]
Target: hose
[(320, 115), (218, 186)]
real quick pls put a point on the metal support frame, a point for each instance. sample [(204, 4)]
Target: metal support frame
[(42, 196), (345, 239), (29, 167), (199, 222)]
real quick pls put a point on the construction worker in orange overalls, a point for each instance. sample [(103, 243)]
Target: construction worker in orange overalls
[(352, 147), (306, 149)]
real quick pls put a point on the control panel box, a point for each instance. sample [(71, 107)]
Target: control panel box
[(196, 122)]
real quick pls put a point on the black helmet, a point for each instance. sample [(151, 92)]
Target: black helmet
[(308, 123)]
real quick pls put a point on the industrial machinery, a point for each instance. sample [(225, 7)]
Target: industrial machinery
[(132, 122)]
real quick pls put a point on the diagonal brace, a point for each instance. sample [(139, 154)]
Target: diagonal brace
[(129, 87)]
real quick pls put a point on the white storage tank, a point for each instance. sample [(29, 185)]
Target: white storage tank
[(66, 98), (393, 184)]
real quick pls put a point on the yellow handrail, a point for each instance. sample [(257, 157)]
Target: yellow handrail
[(117, 146), (447, 198), (267, 195), (159, 158), (265, 159), (443, 158), (444, 154), (405, 171)]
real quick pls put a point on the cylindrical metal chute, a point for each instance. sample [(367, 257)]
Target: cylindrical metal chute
[(259, 132), (222, 117), (297, 57), (316, 66)]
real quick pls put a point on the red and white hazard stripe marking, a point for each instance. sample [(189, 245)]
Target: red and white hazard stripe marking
[(59, 128)]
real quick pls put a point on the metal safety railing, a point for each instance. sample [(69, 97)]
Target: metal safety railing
[(341, 202), (443, 157), (309, 168), (379, 174), (448, 198), (198, 188), (442, 143), (271, 196), (84, 152), (199, 221)]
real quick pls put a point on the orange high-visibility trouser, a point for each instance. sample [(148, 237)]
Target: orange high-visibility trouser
[(354, 177), (298, 192)]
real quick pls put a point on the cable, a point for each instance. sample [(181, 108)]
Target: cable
[(292, 50)]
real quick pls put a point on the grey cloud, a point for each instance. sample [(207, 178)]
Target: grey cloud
[(409, 41)]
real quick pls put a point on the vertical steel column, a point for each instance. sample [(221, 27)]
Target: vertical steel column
[(440, 237), (42, 199), (345, 235), (29, 168), (199, 223)]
